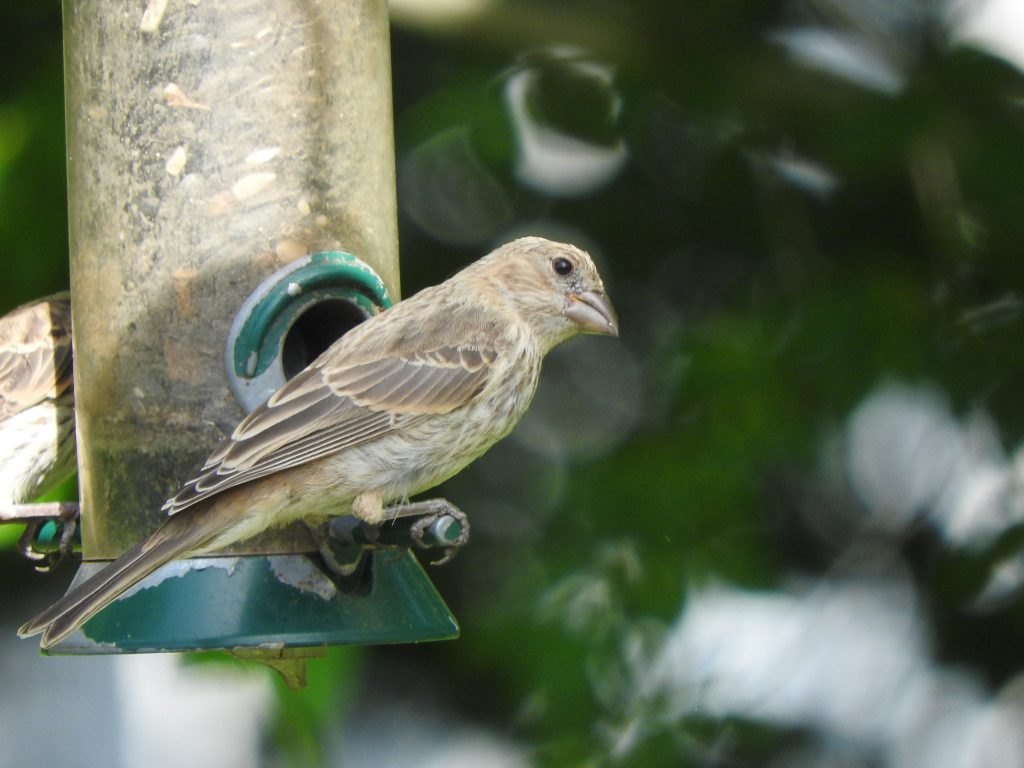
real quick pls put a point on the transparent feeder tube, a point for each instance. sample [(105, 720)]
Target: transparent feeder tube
[(208, 145)]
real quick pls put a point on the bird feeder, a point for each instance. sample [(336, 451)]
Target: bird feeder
[(232, 200)]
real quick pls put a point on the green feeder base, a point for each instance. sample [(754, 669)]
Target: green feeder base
[(267, 604)]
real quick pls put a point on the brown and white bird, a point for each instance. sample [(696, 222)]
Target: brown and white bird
[(37, 402), (397, 405)]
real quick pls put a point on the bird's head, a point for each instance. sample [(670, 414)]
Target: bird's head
[(555, 287)]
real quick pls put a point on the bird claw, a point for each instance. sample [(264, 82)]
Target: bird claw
[(26, 545), (45, 557), (442, 509), (449, 555)]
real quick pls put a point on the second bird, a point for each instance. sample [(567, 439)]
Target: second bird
[(37, 400)]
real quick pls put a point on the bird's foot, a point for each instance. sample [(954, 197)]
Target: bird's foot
[(50, 531), (428, 524), (441, 524)]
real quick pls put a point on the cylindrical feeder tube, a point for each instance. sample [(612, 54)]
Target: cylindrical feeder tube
[(208, 145)]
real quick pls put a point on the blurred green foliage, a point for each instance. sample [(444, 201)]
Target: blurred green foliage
[(33, 199)]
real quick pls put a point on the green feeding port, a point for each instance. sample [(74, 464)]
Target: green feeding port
[(293, 316), (263, 605)]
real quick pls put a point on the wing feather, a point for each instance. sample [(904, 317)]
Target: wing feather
[(332, 406), (35, 353)]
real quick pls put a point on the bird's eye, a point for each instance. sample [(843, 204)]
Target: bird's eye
[(562, 266)]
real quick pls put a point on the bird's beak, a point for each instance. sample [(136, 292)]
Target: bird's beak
[(593, 312)]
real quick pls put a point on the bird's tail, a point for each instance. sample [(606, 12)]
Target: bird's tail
[(178, 535)]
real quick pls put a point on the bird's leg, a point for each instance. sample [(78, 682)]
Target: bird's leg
[(436, 517), (69, 513), (47, 510), (67, 537), (369, 507), (436, 523)]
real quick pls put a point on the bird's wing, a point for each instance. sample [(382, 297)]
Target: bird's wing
[(335, 405), (35, 353)]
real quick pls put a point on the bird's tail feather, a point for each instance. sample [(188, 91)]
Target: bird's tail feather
[(175, 537)]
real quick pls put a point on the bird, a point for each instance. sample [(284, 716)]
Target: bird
[(395, 406), (37, 420), (37, 401)]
